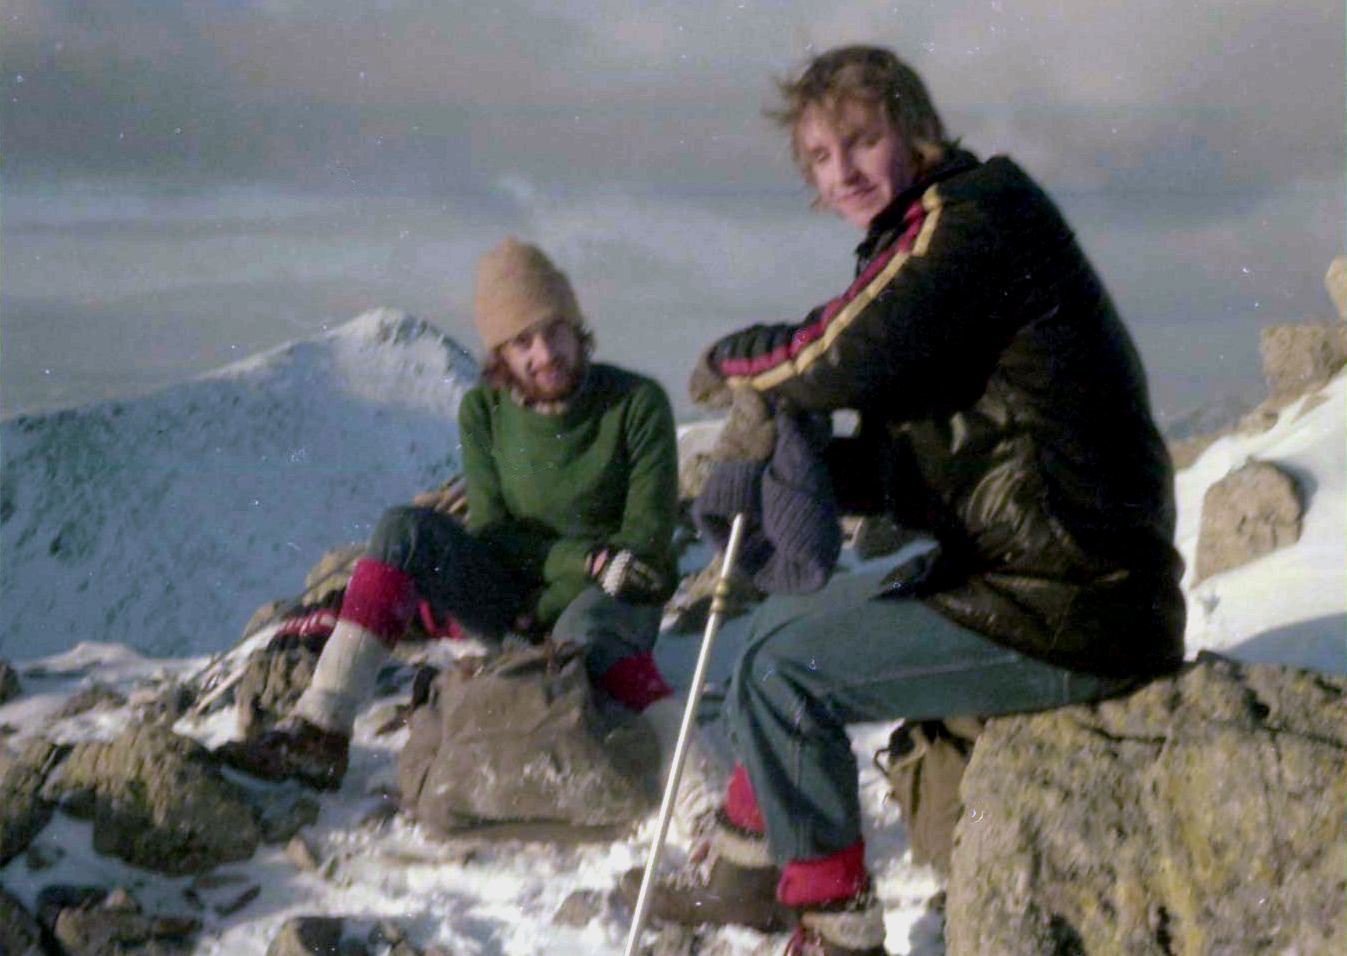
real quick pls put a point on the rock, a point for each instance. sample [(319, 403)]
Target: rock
[(107, 932), (273, 679), (1301, 356), (283, 814), (90, 921), (163, 703), (579, 908), (20, 934), (1251, 511), (23, 809), (94, 697), (1335, 281), (157, 800), (9, 682), (1199, 814), (301, 853), (308, 936), (51, 900), (231, 906)]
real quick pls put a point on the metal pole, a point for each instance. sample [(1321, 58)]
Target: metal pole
[(718, 597)]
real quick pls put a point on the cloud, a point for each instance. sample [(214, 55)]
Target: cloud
[(1217, 96)]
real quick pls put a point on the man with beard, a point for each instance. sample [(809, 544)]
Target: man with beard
[(1003, 411), (570, 469)]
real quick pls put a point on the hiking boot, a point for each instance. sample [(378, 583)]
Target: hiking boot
[(702, 781), (719, 891), (294, 750), (853, 928)]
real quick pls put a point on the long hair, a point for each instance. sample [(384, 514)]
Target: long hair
[(497, 374), (866, 74)]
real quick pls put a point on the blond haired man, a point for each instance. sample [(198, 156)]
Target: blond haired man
[(1004, 412)]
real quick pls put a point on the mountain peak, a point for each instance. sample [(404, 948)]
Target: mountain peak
[(163, 521)]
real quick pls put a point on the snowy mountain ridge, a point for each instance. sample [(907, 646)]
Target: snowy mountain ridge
[(163, 522)]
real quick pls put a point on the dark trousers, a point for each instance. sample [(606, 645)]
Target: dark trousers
[(462, 577)]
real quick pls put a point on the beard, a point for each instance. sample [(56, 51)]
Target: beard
[(551, 383)]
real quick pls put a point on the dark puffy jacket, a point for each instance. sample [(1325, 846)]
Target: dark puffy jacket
[(1003, 407)]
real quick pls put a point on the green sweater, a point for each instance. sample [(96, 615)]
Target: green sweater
[(544, 490)]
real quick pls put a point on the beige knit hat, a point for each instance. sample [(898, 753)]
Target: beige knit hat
[(517, 286)]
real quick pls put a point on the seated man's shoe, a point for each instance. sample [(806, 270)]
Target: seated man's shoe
[(294, 750), (735, 884), (853, 927)]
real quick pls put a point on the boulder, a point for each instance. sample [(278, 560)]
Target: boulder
[(90, 921), (308, 936), (9, 682), (157, 800), (20, 934), (23, 809), (96, 696), (1202, 813), (1335, 281), (1301, 356), (1251, 511)]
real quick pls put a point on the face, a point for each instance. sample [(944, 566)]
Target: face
[(854, 157), (545, 360)]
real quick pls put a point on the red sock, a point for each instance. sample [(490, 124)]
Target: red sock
[(380, 598), (825, 879), (741, 805), (635, 680)]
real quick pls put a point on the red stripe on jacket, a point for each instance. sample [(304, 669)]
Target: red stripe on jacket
[(810, 331)]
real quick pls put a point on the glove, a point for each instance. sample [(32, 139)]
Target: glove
[(706, 386), (749, 432), (451, 499), (627, 578)]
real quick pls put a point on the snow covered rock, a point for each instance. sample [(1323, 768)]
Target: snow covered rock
[(1199, 814), (157, 800), (1248, 513)]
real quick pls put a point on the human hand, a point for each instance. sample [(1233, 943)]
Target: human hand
[(749, 432), (451, 499), (627, 578), (706, 386)]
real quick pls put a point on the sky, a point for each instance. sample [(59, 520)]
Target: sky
[(188, 182)]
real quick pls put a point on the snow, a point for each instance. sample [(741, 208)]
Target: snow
[(200, 502), (163, 522), (1287, 606)]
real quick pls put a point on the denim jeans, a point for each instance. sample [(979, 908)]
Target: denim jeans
[(815, 663), (461, 576)]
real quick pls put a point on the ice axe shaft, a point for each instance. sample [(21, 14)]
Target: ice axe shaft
[(718, 599)]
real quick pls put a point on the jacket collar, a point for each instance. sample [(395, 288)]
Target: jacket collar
[(890, 218)]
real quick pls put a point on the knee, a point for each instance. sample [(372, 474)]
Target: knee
[(393, 533), (753, 675)]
